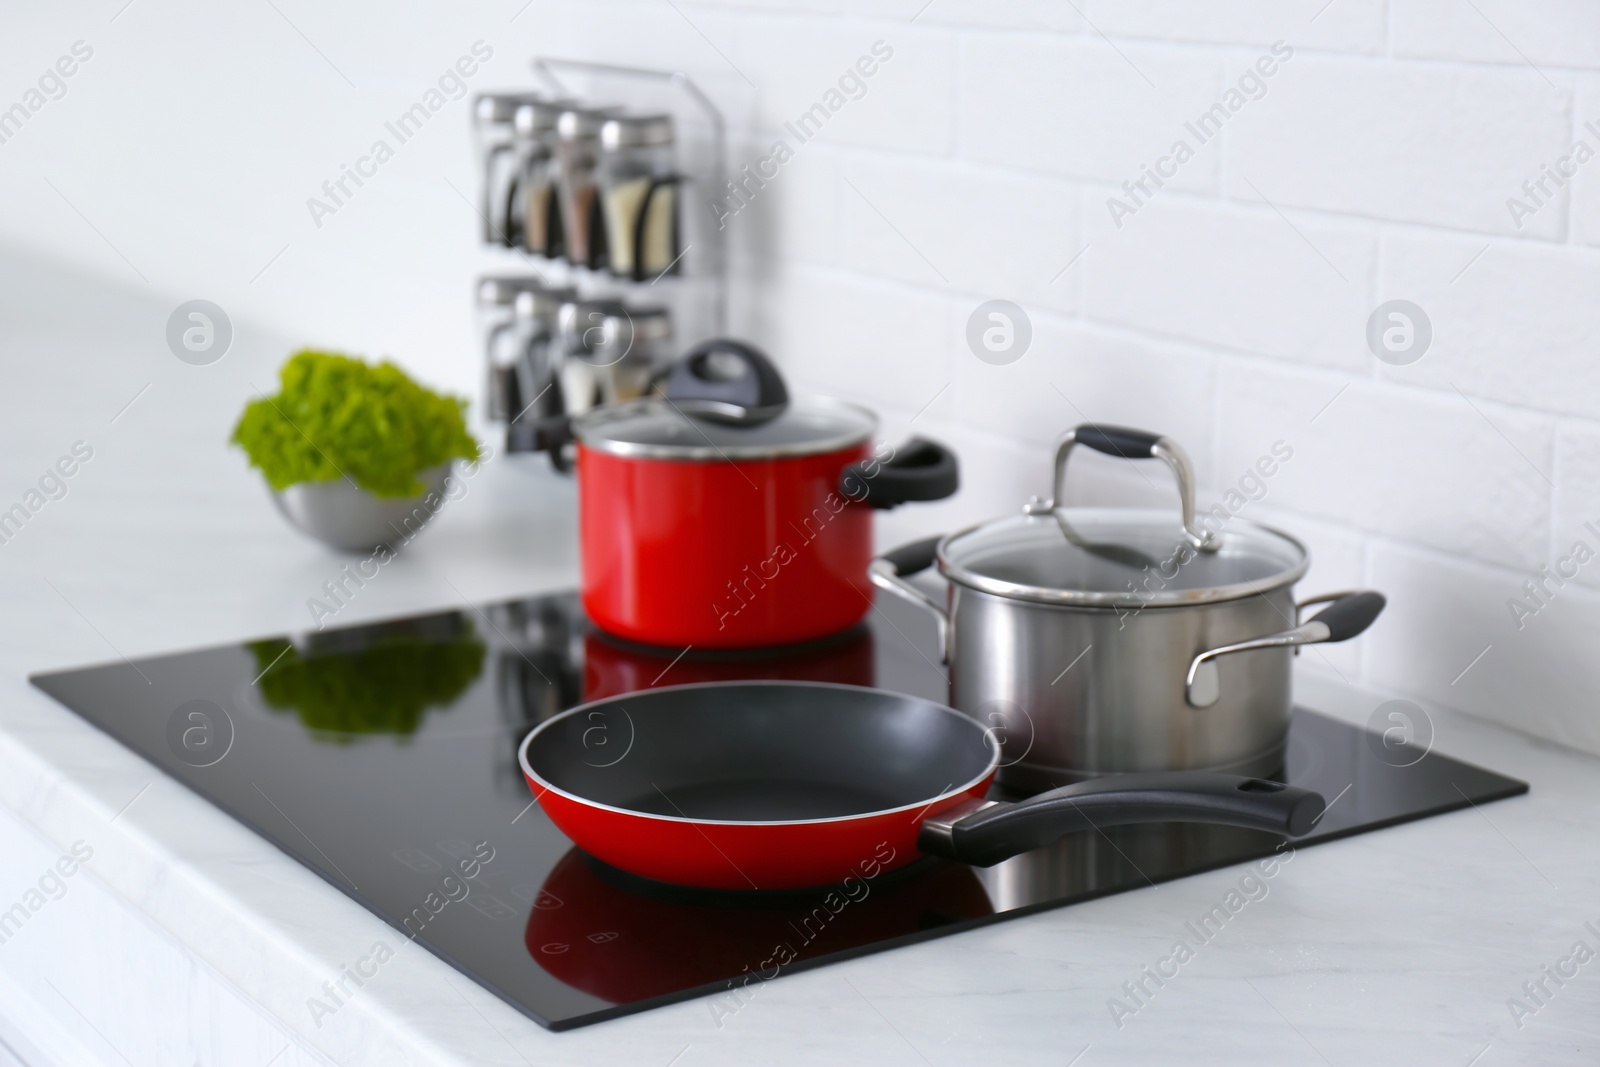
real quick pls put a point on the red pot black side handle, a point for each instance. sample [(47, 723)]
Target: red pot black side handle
[(919, 470), (987, 833)]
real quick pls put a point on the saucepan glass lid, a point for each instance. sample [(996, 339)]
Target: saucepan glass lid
[(1119, 557)]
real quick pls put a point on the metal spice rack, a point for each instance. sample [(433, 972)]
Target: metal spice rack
[(704, 254)]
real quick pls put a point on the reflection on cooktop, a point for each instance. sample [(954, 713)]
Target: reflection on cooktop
[(653, 941), (383, 757)]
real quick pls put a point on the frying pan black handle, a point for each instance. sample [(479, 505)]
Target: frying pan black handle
[(727, 381), (919, 470), (999, 831)]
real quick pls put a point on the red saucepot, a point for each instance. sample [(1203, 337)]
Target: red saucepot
[(724, 515)]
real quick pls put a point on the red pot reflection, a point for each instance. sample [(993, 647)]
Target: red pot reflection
[(623, 945), (612, 666)]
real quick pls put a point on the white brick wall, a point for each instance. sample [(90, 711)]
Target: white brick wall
[(1077, 107), (1584, 191), (1519, 325), (1420, 466), (1559, 33), (1236, 277), (974, 230), (1357, 26), (1072, 373), (1411, 142), (1229, 310)]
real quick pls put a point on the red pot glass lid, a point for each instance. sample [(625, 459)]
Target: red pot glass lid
[(657, 429)]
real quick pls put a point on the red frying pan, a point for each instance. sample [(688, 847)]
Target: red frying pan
[(789, 785)]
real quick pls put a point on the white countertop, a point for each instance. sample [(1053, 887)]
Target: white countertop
[(186, 938)]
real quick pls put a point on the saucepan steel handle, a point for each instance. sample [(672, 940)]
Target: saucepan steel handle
[(1127, 443), (985, 832), (1320, 598), (1347, 616), (889, 572)]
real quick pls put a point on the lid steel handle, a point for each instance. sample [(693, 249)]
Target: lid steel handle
[(1125, 443)]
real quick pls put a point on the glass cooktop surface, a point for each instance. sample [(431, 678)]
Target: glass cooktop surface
[(383, 757)]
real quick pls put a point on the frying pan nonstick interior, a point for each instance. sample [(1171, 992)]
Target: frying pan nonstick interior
[(784, 785), (753, 752)]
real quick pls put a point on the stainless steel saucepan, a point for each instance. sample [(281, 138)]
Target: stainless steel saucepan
[(1103, 641)]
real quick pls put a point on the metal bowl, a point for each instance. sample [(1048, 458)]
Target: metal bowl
[(344, 516)]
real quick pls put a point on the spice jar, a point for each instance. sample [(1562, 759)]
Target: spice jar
[(612, 351), (577, 156), (535, 204), (639, 190), (519, 319), (492, 115)]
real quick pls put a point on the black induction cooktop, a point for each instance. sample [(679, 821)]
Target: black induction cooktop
[(383, 757)]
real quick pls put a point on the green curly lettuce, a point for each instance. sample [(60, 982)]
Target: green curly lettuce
[(335, 416), (385, 688)]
